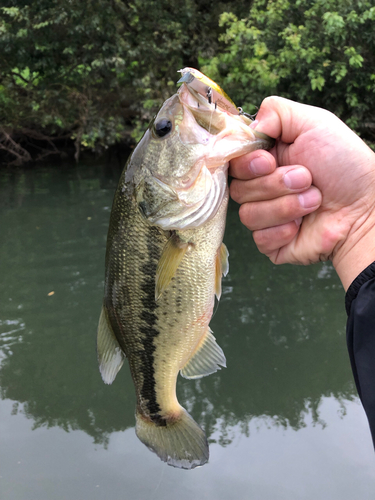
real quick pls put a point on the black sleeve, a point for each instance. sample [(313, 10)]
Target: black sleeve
[(360, 336)]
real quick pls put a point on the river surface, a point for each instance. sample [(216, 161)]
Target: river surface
[(283, 420)]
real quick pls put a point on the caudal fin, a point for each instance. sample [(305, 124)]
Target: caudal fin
[(180, 443)]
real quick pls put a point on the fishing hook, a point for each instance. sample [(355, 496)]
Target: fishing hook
[(242, 112), (209, 95)]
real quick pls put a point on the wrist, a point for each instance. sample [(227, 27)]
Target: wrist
[(356, 253)]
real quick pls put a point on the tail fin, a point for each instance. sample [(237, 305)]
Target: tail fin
[(181, 443)]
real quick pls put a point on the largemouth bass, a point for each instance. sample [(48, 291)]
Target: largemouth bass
[(165, 259)]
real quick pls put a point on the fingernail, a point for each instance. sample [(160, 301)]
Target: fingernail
[(260, 166), (298, 221), (296, 179), (254, 124), (310, 198)]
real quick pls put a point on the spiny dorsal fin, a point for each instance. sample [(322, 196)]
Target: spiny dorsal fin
[(222, 268), (206, 359), (110, 354), (170, 259)]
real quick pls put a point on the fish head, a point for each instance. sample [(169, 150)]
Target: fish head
[(179, 169)]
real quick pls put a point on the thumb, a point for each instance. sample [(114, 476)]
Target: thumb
[(284, 119)]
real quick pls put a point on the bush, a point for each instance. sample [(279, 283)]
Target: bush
[(94, 73), (318, 52)]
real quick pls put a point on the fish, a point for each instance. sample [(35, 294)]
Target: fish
[(165, 259)]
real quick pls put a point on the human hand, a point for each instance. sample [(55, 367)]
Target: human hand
[(319, 203)]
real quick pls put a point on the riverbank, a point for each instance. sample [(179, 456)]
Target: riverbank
[(63, 152)]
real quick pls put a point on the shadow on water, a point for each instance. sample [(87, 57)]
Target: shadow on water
[(282, 328)]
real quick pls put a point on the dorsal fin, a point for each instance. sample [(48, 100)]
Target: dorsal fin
[(206, 359)]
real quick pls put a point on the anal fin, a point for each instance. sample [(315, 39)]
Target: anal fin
[(207, 358), (110, 355)]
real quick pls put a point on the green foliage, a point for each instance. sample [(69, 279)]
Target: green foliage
[(318, 52), (95, 72)]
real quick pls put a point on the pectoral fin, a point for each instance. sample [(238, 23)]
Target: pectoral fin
[(110, 355), (224, 258), (206, 359), (170, 259), (222, 268)]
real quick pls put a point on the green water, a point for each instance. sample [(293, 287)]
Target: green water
[(283, 419)]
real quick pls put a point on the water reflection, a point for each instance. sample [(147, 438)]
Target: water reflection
[(282, 328)]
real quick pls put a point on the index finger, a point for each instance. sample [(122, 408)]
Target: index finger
[(251, 165)]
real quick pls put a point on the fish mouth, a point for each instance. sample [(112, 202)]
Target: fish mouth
[(193, 95), (206, 87), (215, 136), (216, 124)]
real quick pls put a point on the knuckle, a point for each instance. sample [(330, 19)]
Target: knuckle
[(234, 190), (272, 238), (245, 213), (288, 231), (261, 240), (290, 208), (272, 186)]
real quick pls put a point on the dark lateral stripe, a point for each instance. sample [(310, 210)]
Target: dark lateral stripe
[(149, 331)]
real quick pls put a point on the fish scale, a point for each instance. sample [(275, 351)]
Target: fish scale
[(164, 263), (148, 345)]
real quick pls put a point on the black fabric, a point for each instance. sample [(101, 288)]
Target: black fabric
[(360, 336), (354, 288)]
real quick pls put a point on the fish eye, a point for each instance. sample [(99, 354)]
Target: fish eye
[(163, 127)]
